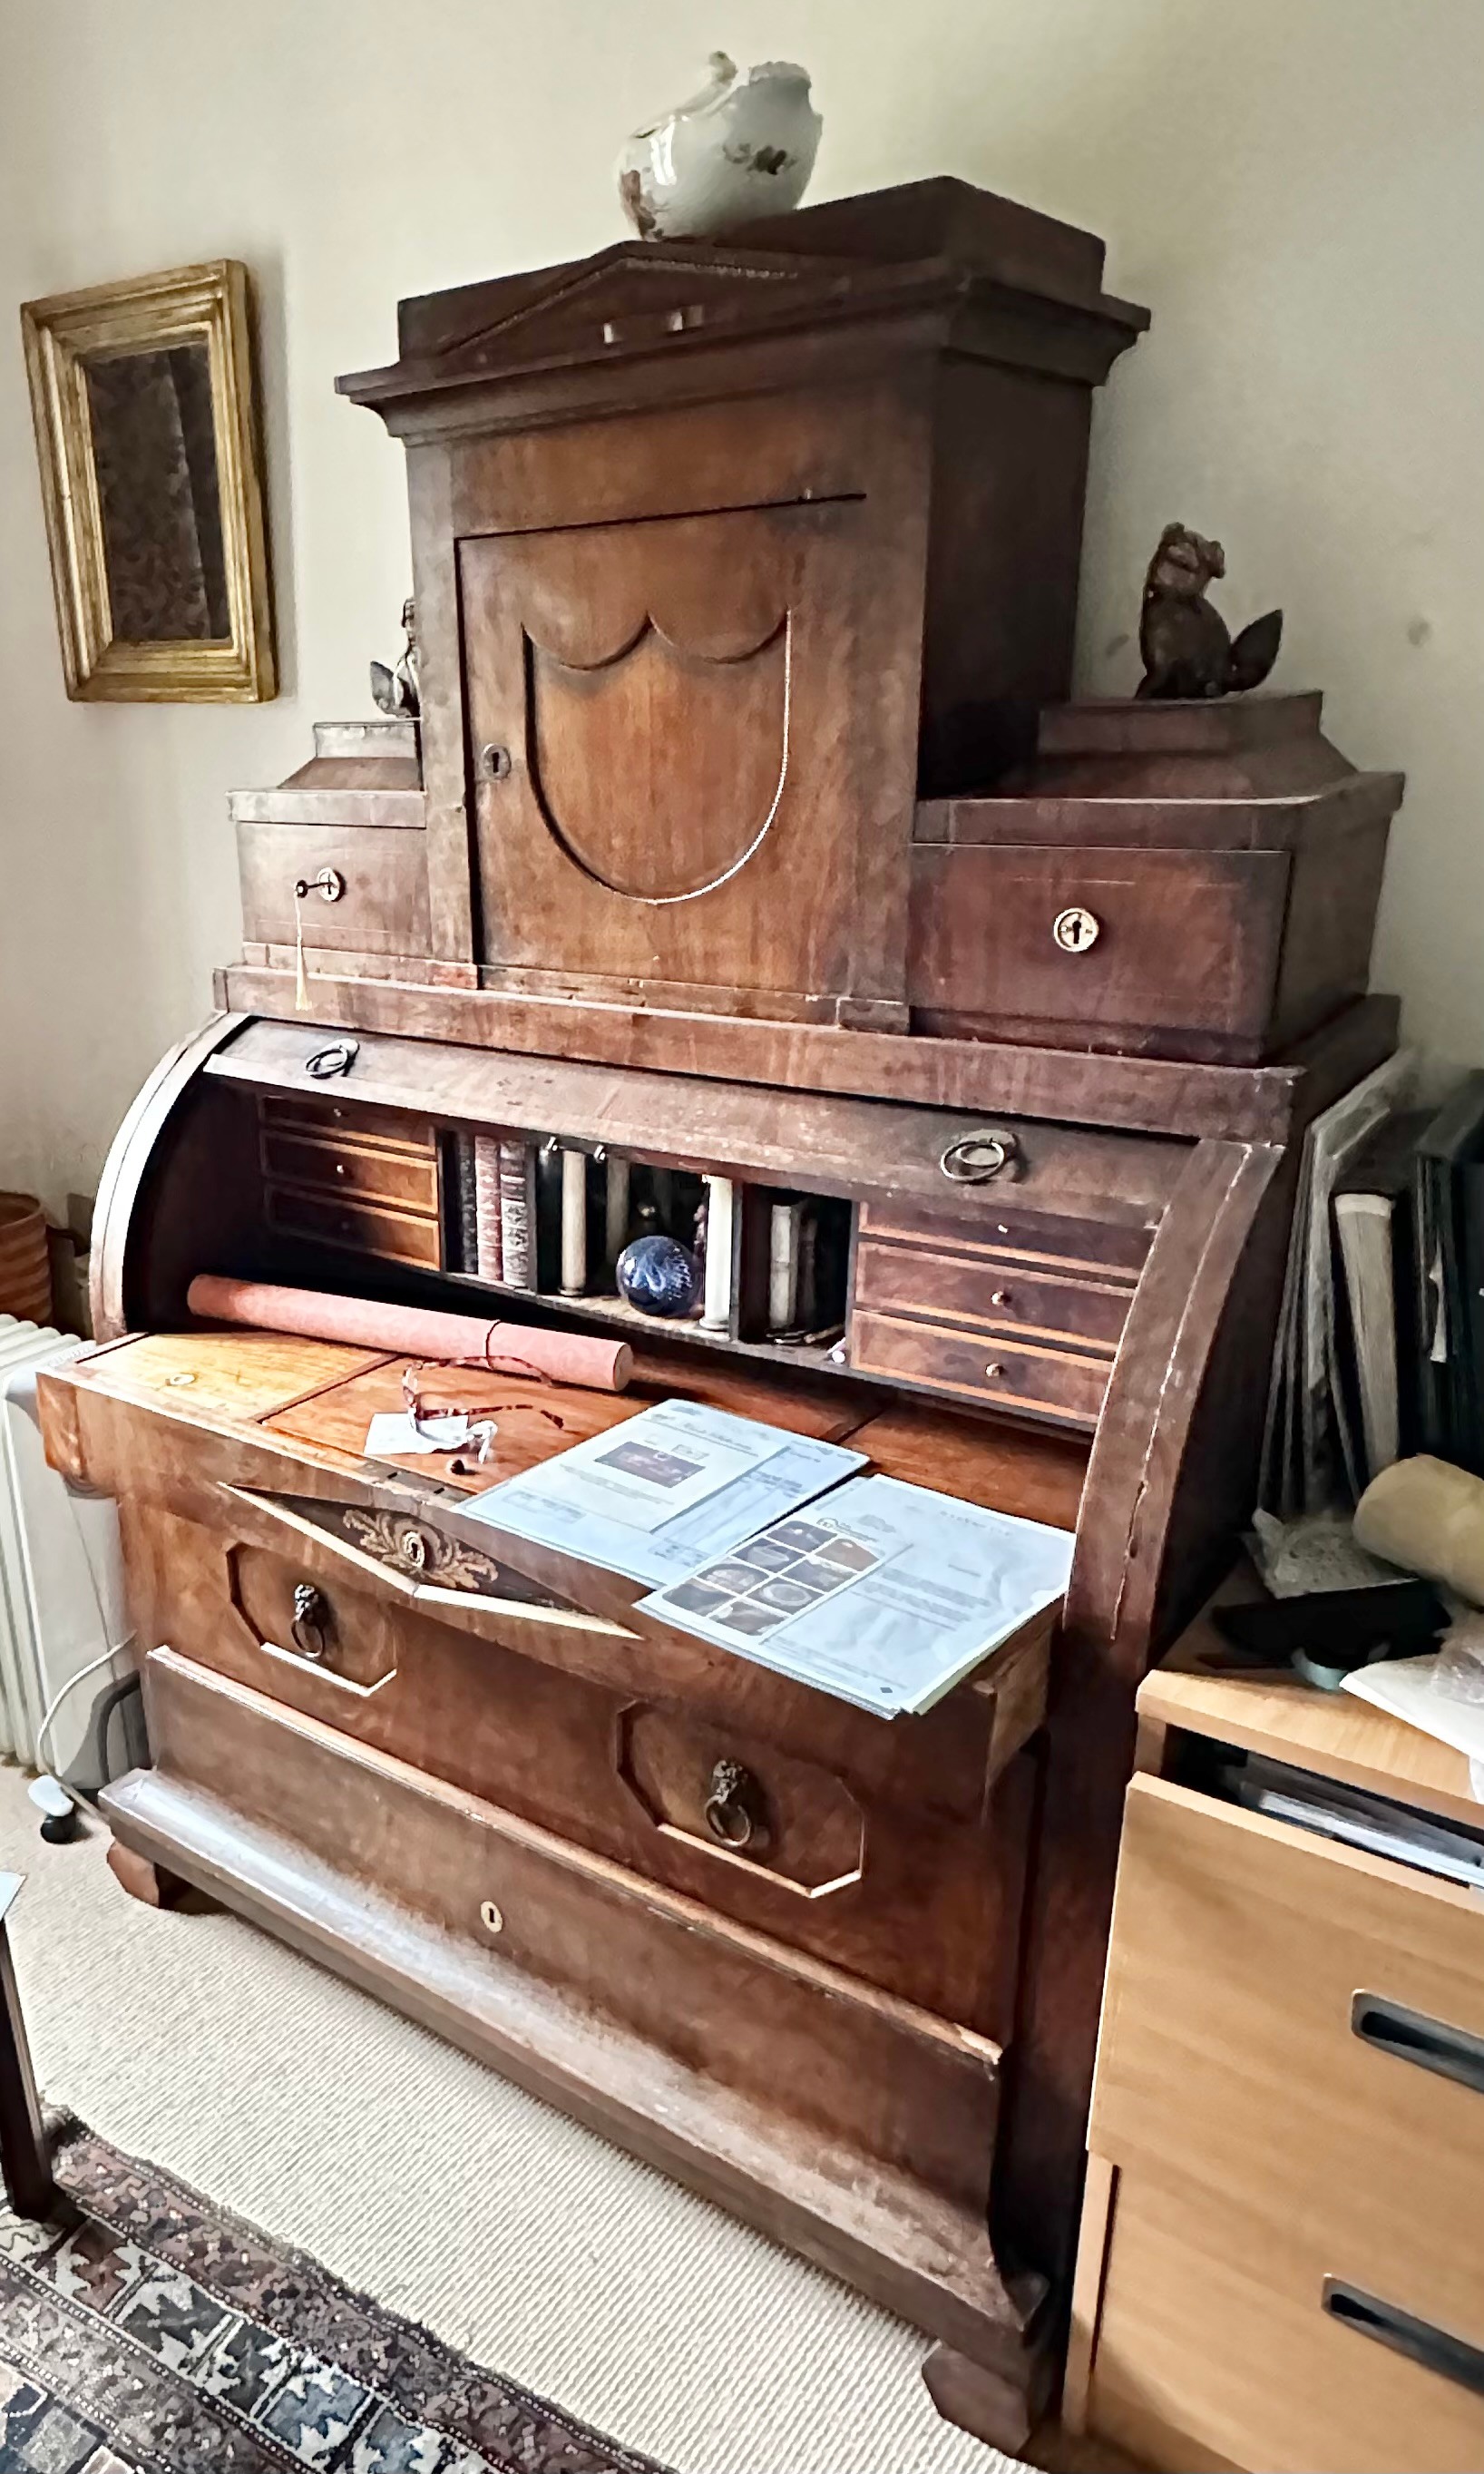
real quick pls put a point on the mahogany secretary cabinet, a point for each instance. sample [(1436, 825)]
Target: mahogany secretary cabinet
[(744, 573)]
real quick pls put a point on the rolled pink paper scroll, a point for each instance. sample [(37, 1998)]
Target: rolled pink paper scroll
[(415, 1331)]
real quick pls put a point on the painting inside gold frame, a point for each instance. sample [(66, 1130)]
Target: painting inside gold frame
[(142, 395)]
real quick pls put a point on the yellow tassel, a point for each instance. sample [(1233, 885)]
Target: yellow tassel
[(301, 975)]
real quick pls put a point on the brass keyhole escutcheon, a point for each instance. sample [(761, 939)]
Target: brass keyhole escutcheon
[(495, 763), (734, 1807), (491, 1917), (1075, 929)]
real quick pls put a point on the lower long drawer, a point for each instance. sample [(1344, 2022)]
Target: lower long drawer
[(854, 2124)]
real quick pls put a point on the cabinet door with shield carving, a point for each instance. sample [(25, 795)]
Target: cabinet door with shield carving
[(663, 748)]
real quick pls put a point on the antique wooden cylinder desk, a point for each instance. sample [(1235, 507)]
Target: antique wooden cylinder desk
[(747, 836)]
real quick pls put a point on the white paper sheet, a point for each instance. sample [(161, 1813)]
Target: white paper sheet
[(676, 1485), (884, 1594)]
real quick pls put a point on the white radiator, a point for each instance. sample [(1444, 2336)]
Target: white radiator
[(61, 1598)]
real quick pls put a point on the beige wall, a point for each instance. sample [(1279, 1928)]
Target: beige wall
[(1294, 187)]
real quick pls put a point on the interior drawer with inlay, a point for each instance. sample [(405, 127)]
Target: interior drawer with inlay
[(370, 1228), (407, 1180), (1005, 1293), (981, 1367), (326, 1120), (1096, 1249)]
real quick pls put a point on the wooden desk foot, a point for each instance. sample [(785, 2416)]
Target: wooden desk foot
[(152, 1884), (1000, 2408)]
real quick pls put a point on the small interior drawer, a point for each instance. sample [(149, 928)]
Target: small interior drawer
[(981, 1366), (1094, 1249), (326, 1120), (370, 1228), (409, 1180), (382, 906), (1004, 1293)]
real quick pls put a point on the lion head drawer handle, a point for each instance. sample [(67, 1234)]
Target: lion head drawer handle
[(734, 1807), (311, 1630), (975, 1158), (1075, 929)]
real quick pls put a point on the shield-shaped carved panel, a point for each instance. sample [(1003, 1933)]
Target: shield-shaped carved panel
[(647, 776)]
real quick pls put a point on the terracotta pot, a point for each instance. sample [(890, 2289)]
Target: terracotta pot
[(25, 1265)]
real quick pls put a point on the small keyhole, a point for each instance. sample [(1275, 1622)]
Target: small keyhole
[(491, 1918), (494, 763)]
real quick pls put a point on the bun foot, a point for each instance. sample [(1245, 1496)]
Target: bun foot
[(152, 1885), (1000, 2408)]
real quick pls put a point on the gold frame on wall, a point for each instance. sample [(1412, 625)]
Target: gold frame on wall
[(207, 304)]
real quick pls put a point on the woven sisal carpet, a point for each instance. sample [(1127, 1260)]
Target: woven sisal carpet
[(146, 2331), (416, 2175)]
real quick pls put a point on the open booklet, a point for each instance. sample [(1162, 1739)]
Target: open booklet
[(883, 1593), (666, 1491)]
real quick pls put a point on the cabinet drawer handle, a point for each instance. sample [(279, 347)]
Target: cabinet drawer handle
[(1411, 2036), (311, 1621), (1452, 2357), (975, 1158), (1076, 931), (733, 1806)]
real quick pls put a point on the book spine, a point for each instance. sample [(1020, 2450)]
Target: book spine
[(489, 1248), (575, 1222), (466, 1202), (517, 1234)]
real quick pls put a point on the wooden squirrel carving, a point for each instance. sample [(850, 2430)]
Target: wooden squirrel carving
[(1188, 649)]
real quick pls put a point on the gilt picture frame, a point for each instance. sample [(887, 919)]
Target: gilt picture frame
[(142, 397)]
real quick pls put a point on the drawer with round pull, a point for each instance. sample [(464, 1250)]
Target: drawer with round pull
[(364, 887), (1137, 949), (1003, 1292), (740, 1801), (409, 1180), (981, 1367)]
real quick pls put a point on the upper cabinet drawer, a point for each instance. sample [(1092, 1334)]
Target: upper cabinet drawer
[(1116, 948), (367, 886)]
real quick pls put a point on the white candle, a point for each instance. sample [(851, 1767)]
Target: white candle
[(575, 1222), (717, 1313)]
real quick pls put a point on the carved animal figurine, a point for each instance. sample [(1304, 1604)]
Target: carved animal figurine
[(1188, 649), (397, 690), (745, 146)]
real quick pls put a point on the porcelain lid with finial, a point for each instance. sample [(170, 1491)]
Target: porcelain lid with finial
[(741, 148)]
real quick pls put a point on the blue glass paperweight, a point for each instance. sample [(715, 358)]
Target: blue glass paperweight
[(658, 1274)]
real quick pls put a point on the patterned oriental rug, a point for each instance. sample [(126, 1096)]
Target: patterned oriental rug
[(147, 2332)]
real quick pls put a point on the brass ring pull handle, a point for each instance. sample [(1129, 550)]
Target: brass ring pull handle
[(338, 1058), (732, 1813), (310, 1628), (329, 884), (975, 1158)]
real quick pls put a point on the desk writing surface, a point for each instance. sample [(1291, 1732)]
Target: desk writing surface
[(1277, 1713)]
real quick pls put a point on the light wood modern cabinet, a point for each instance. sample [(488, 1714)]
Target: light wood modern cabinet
[(1282, 2256)]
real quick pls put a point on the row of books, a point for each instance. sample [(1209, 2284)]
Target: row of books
[(1409, 1238), (554, 1219)]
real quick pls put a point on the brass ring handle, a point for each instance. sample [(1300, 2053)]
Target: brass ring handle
[(310, 1627), (329, 884), (975, 1158), (731, 1806), (338, 1058)]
